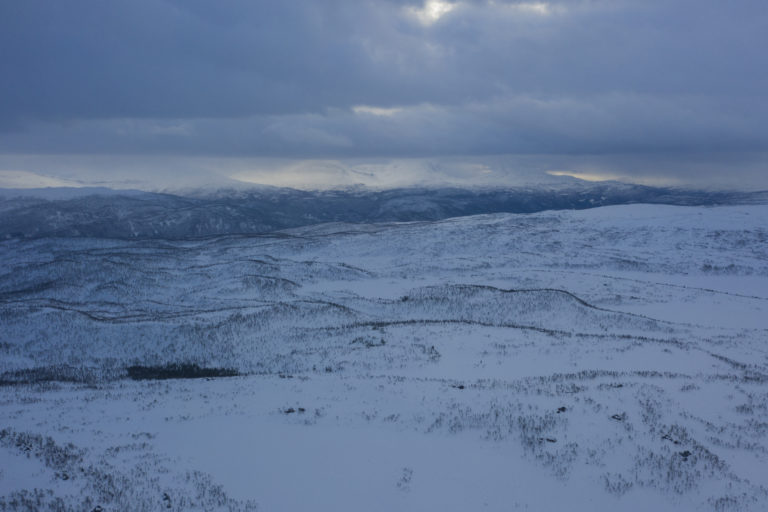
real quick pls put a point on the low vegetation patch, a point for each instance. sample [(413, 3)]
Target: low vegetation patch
[(55, 373), (177, 371)]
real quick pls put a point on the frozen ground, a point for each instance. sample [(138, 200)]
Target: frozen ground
[(605, 359)]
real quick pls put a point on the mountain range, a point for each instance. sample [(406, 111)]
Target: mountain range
[(120, 214)]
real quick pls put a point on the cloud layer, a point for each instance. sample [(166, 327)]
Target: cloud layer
[(385, 78)]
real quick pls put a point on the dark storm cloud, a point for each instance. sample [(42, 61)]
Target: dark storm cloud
[(613, 123), (476, 77), (151, 58)]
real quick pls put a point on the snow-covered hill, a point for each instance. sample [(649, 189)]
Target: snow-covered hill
[(611, 358)]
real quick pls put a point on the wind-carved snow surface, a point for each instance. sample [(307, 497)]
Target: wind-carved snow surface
[(605, 359)]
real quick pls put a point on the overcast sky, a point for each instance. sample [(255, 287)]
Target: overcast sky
[(657, 91)]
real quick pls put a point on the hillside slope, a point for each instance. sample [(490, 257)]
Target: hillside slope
[(610, 358)]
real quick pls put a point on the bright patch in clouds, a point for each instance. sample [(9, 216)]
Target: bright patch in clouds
[(534, 7), (25, 179), (608, 176), (375, 111), (432, 11), (539, 8)]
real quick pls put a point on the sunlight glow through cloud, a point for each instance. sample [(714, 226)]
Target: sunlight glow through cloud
[(432, 11)]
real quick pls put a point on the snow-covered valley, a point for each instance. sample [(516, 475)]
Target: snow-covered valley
[(612, 358)]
